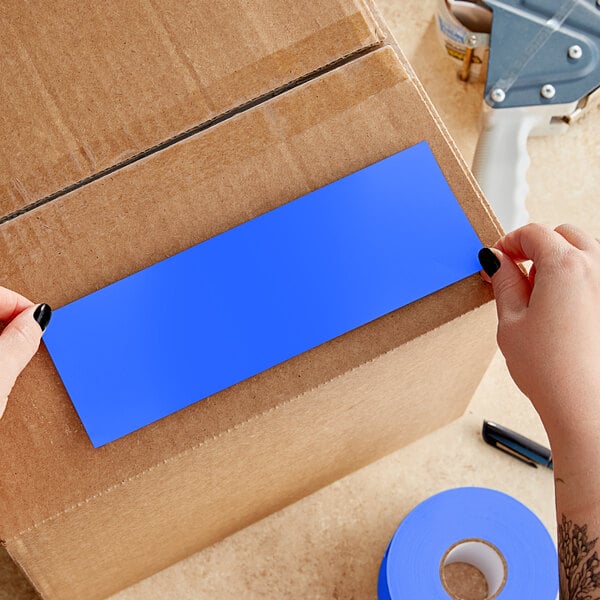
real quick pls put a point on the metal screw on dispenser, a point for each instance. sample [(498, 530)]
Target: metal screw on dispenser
[(575, 52), (472, 40), (548, 91), (498, 95)]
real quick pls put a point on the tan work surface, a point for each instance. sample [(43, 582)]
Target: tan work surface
[(329, 545)]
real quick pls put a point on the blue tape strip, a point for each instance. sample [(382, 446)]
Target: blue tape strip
[(261, 293)]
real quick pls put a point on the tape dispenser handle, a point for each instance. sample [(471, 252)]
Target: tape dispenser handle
[(501, 162)]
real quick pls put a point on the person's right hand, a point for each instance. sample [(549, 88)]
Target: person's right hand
[(20, 339), (549, 322)]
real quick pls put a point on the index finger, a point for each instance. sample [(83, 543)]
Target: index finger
[(532, 242), (11, 304)]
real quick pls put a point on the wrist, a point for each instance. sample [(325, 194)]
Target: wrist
[(569, 416), (572, 432), (574, 443)]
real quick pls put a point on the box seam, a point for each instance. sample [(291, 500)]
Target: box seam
[(205, 125), (207, 440)]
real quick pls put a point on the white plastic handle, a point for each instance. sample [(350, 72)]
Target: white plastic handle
[(501, 162)]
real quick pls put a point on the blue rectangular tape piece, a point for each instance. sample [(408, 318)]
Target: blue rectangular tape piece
[(261, 293)]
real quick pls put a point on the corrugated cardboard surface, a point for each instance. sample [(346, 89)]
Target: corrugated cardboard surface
[(65, 498), (274, 153), (84, 86), (198, 497)]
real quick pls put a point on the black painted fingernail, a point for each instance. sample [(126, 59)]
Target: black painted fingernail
[(489, 261), (42, 315)]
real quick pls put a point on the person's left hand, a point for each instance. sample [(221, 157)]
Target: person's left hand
[(20, 339)]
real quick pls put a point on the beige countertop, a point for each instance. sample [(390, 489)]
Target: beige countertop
[(330, 544)]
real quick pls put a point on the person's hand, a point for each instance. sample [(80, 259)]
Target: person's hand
[(549, 333), (549, 321), (20, 339)]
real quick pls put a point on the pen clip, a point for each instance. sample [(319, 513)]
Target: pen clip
[(514, 454)]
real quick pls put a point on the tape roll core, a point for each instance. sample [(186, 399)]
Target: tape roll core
[(482, 555)]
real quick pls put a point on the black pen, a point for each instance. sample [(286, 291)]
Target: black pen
[(516, 445)]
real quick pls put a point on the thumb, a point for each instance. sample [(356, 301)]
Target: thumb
[(511, 287), (18, 343)]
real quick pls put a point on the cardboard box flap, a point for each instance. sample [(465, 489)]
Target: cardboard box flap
[(271, 154), (85, 87)]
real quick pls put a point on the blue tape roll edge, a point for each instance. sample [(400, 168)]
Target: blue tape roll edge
[(469, 513)]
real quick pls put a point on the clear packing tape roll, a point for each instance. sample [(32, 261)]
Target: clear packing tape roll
[(483, 528), (464, 28)]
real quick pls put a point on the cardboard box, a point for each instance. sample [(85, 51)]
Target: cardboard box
[(85, 522)]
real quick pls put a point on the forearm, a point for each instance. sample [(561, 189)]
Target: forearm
[(577, 484), (549, 332)]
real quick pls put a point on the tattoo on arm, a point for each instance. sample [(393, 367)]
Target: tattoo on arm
[(579, 564)]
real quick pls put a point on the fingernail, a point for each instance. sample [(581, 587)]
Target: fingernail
[(489, 261), (42, 315)]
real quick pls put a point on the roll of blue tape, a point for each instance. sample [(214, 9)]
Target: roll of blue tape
[(485, 528)]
